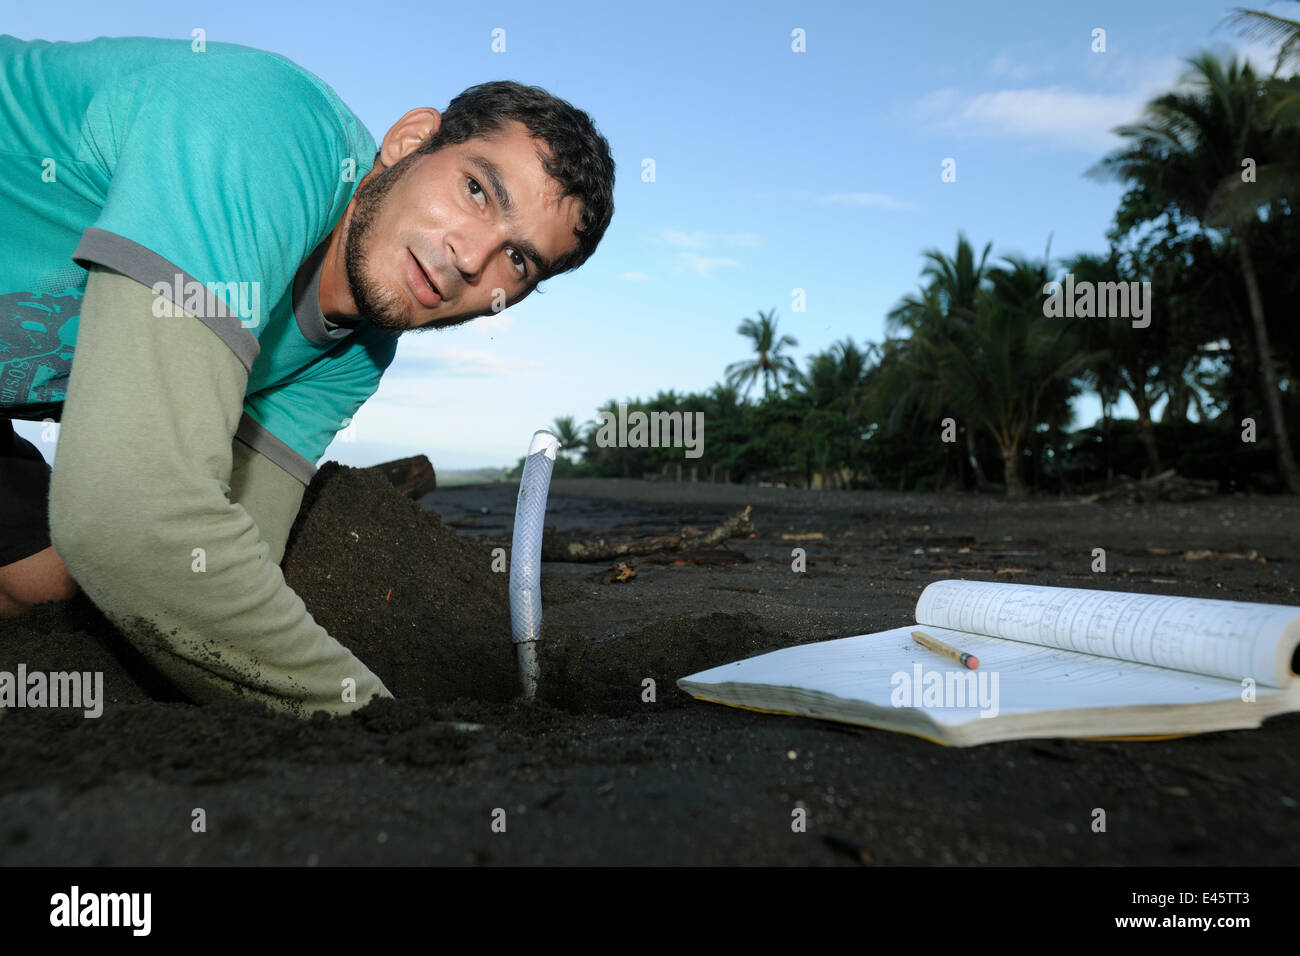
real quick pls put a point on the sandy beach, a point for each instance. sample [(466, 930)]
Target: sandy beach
[(591, 773)]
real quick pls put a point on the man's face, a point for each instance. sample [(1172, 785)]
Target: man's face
[(439, 216)]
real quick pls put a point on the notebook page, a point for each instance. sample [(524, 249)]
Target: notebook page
[(889, 670), (1231, 639)]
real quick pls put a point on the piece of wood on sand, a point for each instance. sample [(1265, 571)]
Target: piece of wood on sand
[(413, 477), (561, 548), (1166, 486)]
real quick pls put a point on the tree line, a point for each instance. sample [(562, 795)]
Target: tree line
[(973, 385)]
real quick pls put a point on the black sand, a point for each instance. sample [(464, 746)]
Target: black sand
[(593, 774)]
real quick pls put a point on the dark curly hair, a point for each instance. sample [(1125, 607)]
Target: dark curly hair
[(579, 160)]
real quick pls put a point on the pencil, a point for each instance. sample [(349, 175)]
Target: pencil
[(947, 650)]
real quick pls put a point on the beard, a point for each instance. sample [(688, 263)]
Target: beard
[(382, 307)]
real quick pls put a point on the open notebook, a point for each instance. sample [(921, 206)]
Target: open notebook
[(1054, 662)]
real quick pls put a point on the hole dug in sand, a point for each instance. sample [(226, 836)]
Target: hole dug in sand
[(443, 632)]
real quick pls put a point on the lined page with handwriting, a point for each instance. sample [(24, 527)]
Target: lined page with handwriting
[(1230, 639), (1012, 678)]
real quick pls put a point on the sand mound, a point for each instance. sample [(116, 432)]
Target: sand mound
[(423, 609), (418, 605)]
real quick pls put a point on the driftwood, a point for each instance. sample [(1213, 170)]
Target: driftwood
[(1166, 486), (619, 573), (413, 477), (623, 571), (557, 548)]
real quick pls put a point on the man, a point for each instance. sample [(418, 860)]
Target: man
[(189, 225)]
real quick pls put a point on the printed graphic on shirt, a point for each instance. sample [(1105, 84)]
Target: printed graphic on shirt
[(37, 335)]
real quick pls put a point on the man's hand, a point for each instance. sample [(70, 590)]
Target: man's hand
[(34, 580)]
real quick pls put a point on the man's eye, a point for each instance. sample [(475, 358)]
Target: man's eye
[(474, 189), (474, 183)]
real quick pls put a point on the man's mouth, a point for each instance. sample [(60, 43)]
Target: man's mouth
[(421, 285)]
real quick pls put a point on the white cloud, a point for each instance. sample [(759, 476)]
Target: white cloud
[(702, 239), (1064, 116), (687, 240), (699, 241), (865, 199), (704, 265), (1054, 114)]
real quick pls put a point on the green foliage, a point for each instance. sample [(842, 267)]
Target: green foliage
[(769, 364), (973, 343), (1218, 155)]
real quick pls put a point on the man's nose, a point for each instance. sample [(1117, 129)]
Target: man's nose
[(474, 250)]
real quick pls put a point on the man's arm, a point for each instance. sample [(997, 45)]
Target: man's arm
[(269, 494), (140, 513)]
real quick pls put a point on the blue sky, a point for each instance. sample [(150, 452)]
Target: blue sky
[(774, 170)]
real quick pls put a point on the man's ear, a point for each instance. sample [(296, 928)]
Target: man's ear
[(408, 134)]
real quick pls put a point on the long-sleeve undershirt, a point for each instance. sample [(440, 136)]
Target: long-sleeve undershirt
[(141, 511)]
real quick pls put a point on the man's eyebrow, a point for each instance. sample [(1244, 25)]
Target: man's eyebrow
[(492, 173)]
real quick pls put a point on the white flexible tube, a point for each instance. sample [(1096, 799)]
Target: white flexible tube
[(526, 555)]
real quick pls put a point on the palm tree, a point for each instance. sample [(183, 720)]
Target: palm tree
[(1005, 366), (958, 279), (835, 377), (1103, 375), (770, 364), (949, 297), (1282, 106), (1126, 359), (1012, 367), (607, 458), (1187, 154), (567, 431), (911, 388), (1270, 28), (834, 390)]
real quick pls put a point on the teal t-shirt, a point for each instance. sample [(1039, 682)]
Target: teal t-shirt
[(215, 177)]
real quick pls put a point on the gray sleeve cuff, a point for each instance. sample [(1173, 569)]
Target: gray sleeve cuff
[(252, 434), (98, 247)]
